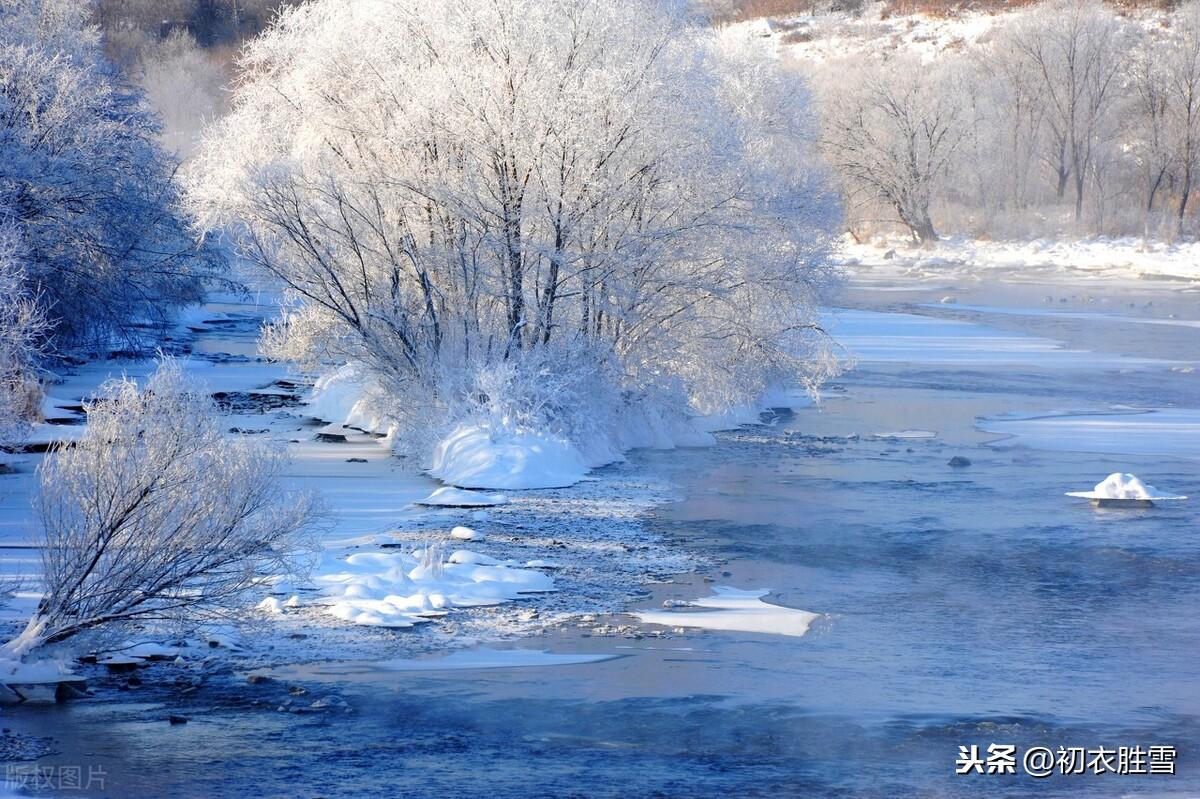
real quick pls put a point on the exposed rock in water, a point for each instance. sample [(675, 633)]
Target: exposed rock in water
[(958, 461)]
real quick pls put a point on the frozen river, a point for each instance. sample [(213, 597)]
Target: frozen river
[(968, 605)]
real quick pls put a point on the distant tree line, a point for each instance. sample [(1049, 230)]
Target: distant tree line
[(1067, 118)]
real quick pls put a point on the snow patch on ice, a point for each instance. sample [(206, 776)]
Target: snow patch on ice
[(451, 497), (387, 589), (466, 534), (735, 610), (478, 456)]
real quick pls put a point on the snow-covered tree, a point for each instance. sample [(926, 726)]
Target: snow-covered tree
[(1075, 49), (1180, 67), (84, 183), (21, 330), (447, 187), (154, 515)]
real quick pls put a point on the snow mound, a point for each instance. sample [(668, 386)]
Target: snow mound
[(1122, 485), (466, 534), (451, 497), (400, 590), (736, 610), (476, 456), (346, 396)]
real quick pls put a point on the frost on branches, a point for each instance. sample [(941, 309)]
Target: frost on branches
[(153, 515), (84, 184), (21, 328), (528, 214)]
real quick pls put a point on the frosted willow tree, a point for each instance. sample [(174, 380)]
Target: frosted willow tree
[(153, 515), (564, 190)]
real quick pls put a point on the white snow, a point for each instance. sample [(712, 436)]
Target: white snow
[(1122, 485), (19, 672), (736, 610), (466, 534), (395, 589), (478, 456), (346, 396), (451, 497), (970, 258)]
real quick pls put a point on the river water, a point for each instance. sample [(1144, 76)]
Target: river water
[(968, 605)]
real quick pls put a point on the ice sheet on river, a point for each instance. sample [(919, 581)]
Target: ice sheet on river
[(1169, 432), (734, 609), (879, 337)]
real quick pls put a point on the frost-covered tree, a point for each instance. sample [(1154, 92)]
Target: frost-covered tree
[(154, 515), (891, 130), (1075, 51), (186, 86), (21, 330), (1180, 69), (84, 183), (581, 185)]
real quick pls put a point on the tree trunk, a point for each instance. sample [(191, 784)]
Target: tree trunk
[(1078, 195), (923, 230), (1183, 199)]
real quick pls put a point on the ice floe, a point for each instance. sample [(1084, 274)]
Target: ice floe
[(735, 610), (1120, 486)]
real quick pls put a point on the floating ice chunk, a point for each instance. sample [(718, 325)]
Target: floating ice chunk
[(476, 456), (908, 434), (1123, 486), (466, 534), (451, 497), (734, 609)]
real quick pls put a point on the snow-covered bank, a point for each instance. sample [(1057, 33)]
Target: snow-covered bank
[(476, 456), (1129, 258), (496, 454)]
